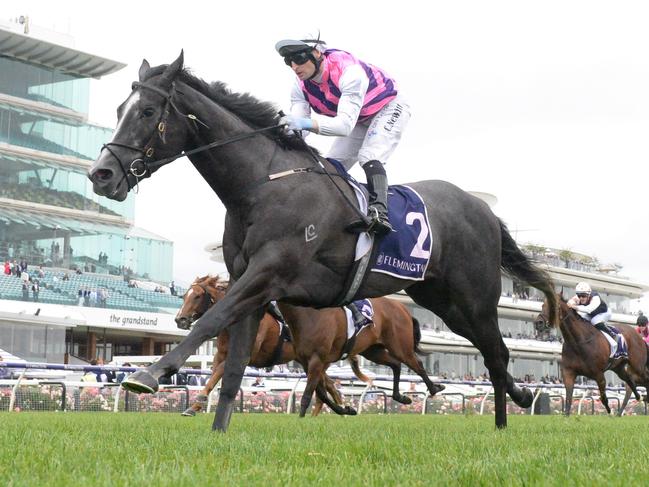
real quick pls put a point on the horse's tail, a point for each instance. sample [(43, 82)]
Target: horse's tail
[(417, 336), (518, 265), (353, 361)]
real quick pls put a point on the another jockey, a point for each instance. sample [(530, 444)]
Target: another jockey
[(356, 102), (642, 327), (590, 306)]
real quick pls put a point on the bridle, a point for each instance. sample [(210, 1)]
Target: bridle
[(144, 166), (546, 320), (207, 300)]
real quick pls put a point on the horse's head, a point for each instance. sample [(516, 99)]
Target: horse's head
[(201, 295), (545, 319), (150, 127)]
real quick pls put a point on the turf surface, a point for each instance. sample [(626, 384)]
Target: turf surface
[(132, 449)]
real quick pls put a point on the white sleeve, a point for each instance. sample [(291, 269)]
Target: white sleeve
[(594, 303), (353, 85), (299, 106)]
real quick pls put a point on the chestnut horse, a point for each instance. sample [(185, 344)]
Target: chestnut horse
[(391, 339), (586, 352), (269, 347)]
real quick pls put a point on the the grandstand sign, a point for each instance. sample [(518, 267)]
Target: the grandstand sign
[(131, 320)]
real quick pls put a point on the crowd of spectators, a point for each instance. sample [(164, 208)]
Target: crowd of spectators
[(92, 297)]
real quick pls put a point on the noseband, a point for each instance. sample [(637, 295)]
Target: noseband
[(139, 168)]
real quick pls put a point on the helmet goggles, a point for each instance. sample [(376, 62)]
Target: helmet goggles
[(299, 58)]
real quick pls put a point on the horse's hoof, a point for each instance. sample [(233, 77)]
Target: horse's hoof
[(437, 388), (350, 411), (402, 399), (527, 398), (140, 382), (188, 412)]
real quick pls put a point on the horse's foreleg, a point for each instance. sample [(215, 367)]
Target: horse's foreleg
[(242, 339), (339, 409), (246, 294), (314, 374), (333, 392), (201, 399)]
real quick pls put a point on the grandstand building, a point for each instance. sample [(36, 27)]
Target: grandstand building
[(82, 249)]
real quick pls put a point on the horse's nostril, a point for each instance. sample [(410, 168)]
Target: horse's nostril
[(103, 174)]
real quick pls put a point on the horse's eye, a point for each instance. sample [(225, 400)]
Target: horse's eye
[(148, 112)]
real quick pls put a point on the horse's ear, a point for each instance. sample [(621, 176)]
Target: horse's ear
[(174, 68), (143, 69)]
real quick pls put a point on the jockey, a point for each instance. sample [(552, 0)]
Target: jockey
[(590, 306), (642, 327), (356, 102)]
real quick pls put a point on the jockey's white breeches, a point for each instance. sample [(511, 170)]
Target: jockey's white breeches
[(375, 139)]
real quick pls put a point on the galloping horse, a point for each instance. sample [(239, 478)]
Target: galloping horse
[(285, 237), (319, 339), (586, 352), (391, 339), (269, 348)]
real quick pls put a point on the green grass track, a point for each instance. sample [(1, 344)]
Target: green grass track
[(131, 449)]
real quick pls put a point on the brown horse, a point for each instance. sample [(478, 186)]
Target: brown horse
[(586, 352), (320, 337), (269, 348)]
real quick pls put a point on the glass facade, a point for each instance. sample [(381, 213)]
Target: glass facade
[(50, 118), (32, 82), (34, 343)]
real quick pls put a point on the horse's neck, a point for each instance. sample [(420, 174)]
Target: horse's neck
[(232, 168), (574, 331)]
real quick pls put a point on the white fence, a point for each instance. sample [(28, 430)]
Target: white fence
[(24, 393)]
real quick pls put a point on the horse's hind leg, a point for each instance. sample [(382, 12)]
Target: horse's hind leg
[(625, 401), (412, 361), (475, 317), (239, 350), (380, 355), (626, 377), (601, 384)]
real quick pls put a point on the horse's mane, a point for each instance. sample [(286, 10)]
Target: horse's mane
[(258, 114)]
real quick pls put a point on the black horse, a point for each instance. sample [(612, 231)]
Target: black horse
[(285, 235)]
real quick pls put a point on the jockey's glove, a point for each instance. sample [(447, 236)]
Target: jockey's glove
[(296, 123)]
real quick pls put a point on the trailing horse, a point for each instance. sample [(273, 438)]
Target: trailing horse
[(270, 347), (285, 237), (319, 339), (392, 338), (586, 352)]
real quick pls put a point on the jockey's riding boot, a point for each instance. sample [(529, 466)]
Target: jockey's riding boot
[(377, 185), (274, 311), (357, 316), (606, 329), (377, 212)]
